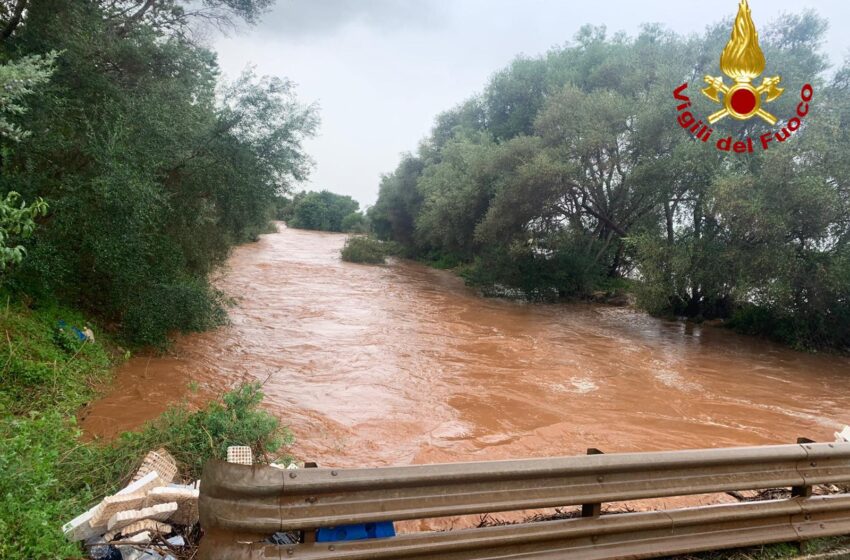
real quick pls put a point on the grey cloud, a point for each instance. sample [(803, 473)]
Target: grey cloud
[(298, 18)]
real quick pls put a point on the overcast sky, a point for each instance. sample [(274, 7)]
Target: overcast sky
[(381, 70)]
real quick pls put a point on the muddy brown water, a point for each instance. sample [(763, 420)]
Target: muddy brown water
[(402, 364)]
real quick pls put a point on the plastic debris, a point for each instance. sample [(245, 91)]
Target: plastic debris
[(281, 538), (100, 549), (133, 553), (176, 541)]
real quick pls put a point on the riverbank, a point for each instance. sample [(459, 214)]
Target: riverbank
[(49, 474), (48, 373)]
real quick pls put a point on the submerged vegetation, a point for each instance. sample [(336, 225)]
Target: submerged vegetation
[(362, 249), (570, 171)]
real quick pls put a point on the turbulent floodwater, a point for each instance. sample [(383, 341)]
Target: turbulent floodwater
[(399, 364)]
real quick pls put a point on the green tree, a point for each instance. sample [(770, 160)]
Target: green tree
[(152, 169), (399, 201), (324, 211), (569, 173), (17, 221)]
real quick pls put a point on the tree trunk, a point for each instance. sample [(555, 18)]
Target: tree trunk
[(14, 21)]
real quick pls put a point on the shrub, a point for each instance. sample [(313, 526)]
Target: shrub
[(362, 249), (192, 438), (190, 305), (535, 275)]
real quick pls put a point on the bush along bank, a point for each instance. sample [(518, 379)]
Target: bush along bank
[(49, 475), (366, 250)]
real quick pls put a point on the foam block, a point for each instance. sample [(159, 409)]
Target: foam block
[(159, 512), (80, 529)]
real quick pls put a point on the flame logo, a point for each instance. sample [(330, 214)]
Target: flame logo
[(742, 59)]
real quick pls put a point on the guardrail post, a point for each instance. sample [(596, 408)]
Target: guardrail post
[(803, 491), (309, 536), (592, 510)]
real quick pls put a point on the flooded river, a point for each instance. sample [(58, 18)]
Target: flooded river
[(399, 364)]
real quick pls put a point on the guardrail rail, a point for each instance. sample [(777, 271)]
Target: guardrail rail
[(241, 506)]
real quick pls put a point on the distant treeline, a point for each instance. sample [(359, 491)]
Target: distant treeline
[(570, 174), (323, 211), (150, 166)]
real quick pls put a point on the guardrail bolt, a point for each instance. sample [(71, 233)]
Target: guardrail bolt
[(312, 500), (290, 551), (331, 548), (822, 526), (334, 473), (808, 517), (600, 478), (814, 464), (594, 539)]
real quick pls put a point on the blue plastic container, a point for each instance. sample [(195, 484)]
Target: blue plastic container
[(356, 532)]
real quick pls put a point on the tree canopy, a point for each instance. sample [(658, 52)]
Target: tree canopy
[(323, 211), (151, 166), (569, 174)]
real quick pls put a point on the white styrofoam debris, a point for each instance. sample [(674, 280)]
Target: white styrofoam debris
[(843, 435), (80, 529), (146, 525), (112, 505), (159, 512), (139, 538), (150, 480), (240, 454), (159, 461), (186, 500)]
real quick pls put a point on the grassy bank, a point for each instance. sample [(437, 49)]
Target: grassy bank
[(49, 475), (824, 548)]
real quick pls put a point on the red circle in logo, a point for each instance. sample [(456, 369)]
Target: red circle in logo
[(743, 101)]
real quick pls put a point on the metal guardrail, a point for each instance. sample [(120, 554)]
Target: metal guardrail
[(241, 505)]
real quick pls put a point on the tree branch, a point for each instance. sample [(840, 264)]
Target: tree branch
[(14, 21)]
